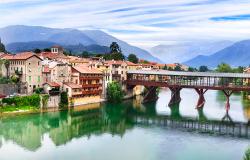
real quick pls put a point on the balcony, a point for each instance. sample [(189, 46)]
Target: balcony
[(93, 92), (91, 78), (91, 85), (76, 93)]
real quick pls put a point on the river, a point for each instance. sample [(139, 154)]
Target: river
[(107, 132)]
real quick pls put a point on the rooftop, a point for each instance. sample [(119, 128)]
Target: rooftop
[(53, 84), (20, 56), (85, 69), (73, 85), (191, 74)]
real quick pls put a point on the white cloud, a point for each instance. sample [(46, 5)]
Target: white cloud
[(178, 20)]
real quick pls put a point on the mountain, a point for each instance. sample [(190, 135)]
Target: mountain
[(78, 49), (237, 54), (68, 37), (185, 51)]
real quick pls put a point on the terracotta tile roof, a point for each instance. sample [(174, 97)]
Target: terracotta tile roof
[(114, 62), (53, 84), (2, 55), (73, 85), (131, 63), (85, 69), (48, 55), (21, 56)]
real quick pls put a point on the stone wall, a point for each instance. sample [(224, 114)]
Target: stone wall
[(8, 89), (53, 101)]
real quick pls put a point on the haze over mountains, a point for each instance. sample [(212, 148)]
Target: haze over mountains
[(19, 37), (185, 51), (237, 54)]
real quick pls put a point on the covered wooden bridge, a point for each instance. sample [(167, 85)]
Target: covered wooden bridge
[(200, 81)]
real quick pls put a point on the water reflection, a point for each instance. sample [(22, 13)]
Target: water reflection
[(28, 131)]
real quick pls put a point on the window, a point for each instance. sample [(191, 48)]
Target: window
[(29, 63), (39, 79), (29, 78), (38, 63)]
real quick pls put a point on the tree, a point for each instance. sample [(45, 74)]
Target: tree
[(115, 48), (165, 67), (133, 58), (239, 69), (177, 68), (203, 69), (191, 69), (223, 67), (114, 92), (46, 50), (115, 53), (37, 50), (64, 100), (2, 47), (247, 154), (85, 54)]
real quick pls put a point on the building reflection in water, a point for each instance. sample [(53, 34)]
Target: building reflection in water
[(95, 119)]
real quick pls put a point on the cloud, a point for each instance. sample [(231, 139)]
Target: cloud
[(144, 23)]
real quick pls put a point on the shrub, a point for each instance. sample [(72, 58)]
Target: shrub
[(114, 92), (33, 100), (64, 100)]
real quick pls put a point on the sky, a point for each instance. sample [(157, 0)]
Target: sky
[(144, 23)]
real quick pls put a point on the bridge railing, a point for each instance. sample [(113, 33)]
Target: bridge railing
[(189, 81)]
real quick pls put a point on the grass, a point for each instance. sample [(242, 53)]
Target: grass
[(17, 108)]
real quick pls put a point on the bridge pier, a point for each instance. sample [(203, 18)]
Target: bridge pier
[(151, 94), (175, 96), (201, 100), (227, 93)]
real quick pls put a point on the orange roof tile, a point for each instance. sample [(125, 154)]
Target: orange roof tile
[(53, 84), (110, 62), (85, 69), (73, 85), (131, 63), (21, 56)]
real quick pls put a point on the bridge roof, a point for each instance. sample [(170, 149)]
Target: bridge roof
[(190, 74)]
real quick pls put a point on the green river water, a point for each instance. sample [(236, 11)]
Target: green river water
[(107, 132)]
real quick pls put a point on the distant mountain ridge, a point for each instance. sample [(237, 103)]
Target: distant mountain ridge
[(67, 37), (78, 49), (187, 50), (237, 54)]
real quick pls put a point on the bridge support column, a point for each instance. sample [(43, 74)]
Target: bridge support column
[(175, 96), (227, 93), (151, 95), (201, 100)]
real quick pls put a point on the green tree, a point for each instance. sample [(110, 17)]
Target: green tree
[(191, 69), (2, 47), (115, 53), (46, 50), (177, 68), (114, 92), (239, 69), (85, 54), (133, 58), (203, 69), (64, 100), (165, 67), (247, 154), (37, 50), (115, 48), (223, 67)]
